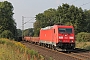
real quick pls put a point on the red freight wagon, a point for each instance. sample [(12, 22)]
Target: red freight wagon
[(31, 39), (27, 38), (59, 36), (35, 39)]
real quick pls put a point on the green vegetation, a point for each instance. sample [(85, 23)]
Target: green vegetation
[(28, 32), (83, 40), (83, 45), (19, 32), (83, 37), (7, 34), (11, 50), (7, 22), (66, 15)]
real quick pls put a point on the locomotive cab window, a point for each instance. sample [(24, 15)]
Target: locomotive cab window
[(65, 30)]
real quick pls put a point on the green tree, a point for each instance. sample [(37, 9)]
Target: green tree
[(6, 18), (49, 17), (29, 32), (19, 32), (44, 19), (71, 15), (7, 34), (65, 14), (83, 37), (87, 27)]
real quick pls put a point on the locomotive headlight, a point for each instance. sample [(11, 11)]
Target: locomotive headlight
[(71, 37), (60, 37)]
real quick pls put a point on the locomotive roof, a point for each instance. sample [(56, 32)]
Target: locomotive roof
[(49, 27)]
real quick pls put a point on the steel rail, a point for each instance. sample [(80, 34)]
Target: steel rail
[(69, 55)]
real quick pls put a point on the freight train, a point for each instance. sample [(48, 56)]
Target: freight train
[(55, 37)]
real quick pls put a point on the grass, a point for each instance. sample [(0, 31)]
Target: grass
[(11, 50), (83, 45)]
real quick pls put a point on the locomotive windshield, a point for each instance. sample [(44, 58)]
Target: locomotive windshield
[(65, 30)]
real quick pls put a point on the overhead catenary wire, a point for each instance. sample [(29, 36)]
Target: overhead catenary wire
[(85, 4), (28, 21), (73, 1), (80, 5)]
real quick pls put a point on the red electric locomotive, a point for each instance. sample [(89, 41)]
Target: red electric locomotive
[(58, 36)]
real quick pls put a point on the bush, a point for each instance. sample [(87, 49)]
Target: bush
[(6, 34), (12, 50), (83, 37), (87, 47)]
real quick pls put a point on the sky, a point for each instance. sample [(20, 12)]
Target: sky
[(30, 8)]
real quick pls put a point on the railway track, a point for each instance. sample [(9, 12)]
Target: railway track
[(80, 56), (57, 55), (87, 53)]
